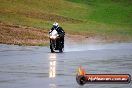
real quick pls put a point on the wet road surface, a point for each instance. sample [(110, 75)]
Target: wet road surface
[(36, 67)]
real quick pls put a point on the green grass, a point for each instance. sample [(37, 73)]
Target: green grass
[(100, 17), (114, 13), (109, 11), (99, 29)]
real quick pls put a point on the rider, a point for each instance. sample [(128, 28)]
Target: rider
[(59, 30)]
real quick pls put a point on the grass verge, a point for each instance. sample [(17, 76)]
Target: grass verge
[(109, 19), (18, 35)]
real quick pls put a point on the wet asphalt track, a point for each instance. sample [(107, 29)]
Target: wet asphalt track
[(36, 67)]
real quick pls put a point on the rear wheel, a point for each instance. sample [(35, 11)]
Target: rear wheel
[(61, 50), (61, 47)]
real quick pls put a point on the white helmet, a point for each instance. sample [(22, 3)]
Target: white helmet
[(55, 24)]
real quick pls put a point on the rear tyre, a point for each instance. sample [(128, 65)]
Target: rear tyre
[(61, 47), (61, 50)]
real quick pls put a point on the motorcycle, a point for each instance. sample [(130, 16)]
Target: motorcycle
[(55, 43)]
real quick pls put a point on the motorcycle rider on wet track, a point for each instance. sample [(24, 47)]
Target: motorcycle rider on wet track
[(59, 30)]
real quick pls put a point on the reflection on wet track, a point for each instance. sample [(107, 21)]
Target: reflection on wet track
[(52, 65), (36, 67)]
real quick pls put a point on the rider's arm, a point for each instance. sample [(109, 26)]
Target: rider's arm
[(51, 30), (62, 31)]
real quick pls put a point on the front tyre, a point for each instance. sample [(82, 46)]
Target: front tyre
[(52, 51), (52, 48)]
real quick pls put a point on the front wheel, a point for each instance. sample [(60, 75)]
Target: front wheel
[(52, 48), (52, 51)]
